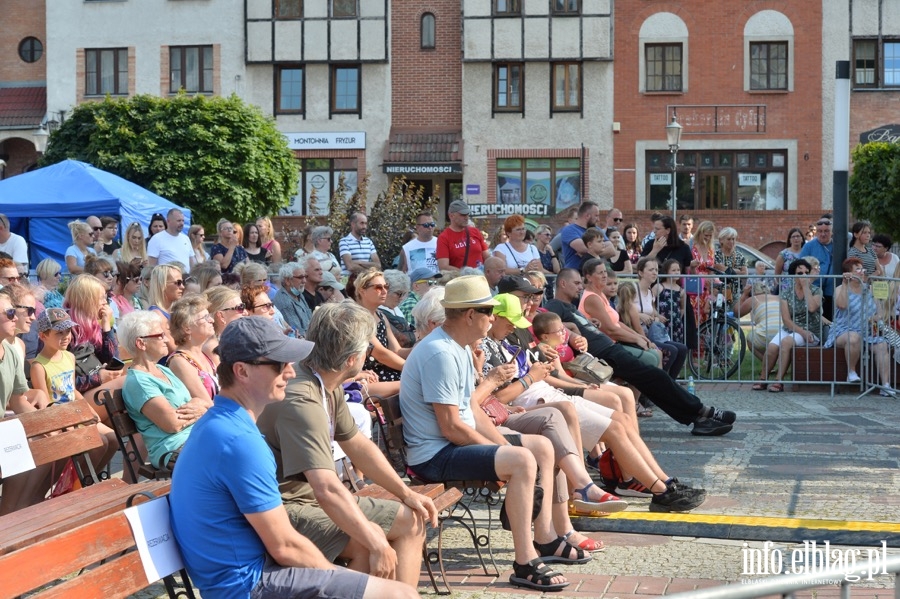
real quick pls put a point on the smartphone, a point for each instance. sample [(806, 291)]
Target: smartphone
[(115, 364), (515, 355)]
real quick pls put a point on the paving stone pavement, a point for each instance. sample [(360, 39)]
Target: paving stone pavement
[(799, 454)]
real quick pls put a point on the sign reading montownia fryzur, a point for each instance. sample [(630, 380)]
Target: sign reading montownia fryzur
[(811, 558)]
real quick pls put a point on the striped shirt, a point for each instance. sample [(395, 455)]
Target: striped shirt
[(359, 250)]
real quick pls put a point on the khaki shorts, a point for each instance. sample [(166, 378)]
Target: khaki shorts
[(313, 523)]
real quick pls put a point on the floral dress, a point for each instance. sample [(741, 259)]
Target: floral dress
[(669, 306), (700, 301), (733, 284), (788, 256), (385, 373)]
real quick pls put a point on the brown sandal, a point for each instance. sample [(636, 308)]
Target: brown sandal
[(760, 386), (776, 388)]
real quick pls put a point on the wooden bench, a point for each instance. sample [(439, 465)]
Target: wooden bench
[(461, 513), (109, 540), (132, 458), (817, 364)]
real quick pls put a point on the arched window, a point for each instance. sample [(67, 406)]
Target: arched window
[(428, 30)]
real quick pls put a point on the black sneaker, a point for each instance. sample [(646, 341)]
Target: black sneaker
[(680, 486), (726, 416), (710, 427), (675, 500)]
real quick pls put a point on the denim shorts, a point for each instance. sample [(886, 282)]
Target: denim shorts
[(281, 582), (460, 462)]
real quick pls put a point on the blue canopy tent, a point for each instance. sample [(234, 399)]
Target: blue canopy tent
[(41, 203)]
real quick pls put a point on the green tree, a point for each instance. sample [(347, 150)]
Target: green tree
[(218, 156), (875, 186)]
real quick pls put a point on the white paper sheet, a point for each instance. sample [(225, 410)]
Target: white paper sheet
[(15, 453), (154, 538)]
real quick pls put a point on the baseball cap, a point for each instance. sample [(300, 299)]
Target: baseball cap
[(510, 283), (510, 307), (423, 273), (254, 337), (56, 319), (458, 206), (329, 280)]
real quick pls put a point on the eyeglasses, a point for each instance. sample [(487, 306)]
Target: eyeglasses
[(278, 366), (326, 238), (301, 277), (15, 279), (487, 311), (154, 336), (428, 225), (59, 274), (267, 306), (238, 308), (28, 309), (178, 283), (399, 293), (379, 288), (560, 331), (10, 314), (202, 319), (199, 234), (430, 282)]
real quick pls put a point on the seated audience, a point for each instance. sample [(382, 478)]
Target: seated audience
[(158, 402), (225, 305), (47, 291), (387, 357), (191, 327)]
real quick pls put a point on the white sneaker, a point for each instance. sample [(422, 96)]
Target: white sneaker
[(887, 391), (852, 377)]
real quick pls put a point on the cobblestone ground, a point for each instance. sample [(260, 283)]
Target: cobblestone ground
[(803, 454)]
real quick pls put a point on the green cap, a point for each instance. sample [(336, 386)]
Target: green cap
[(509, 307)]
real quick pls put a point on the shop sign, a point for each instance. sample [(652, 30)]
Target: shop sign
[(660, 178), (334, 140), (886, 133), (473, 189), (425, 168), (749, 179), (510, 209)]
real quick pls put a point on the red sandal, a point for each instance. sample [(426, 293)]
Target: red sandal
[(588, 544)]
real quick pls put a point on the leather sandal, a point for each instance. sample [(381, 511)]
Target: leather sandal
[(547, 551), (535, 575), (759, 386), (588, 544), (776, 388)]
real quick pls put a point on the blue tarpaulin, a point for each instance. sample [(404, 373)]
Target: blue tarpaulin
[(41, 203)]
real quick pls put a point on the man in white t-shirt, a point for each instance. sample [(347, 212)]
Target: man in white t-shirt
[(171, 245), (420, 252), (14, 245)]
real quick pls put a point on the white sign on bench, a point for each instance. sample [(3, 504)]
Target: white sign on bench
[(15, 453), (154, 538)]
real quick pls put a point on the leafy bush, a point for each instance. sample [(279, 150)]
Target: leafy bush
[(875, 186)]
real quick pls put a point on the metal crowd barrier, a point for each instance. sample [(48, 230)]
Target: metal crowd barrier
[(727, 343)]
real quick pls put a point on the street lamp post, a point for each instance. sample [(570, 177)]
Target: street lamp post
[(673, 136), (41, 137)]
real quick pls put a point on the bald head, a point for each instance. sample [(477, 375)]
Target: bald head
[(494, 268)]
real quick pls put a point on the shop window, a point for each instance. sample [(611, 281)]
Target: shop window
[(554, 183), (322, 177)]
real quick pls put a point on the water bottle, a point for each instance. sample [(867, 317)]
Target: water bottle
[(690, 386)]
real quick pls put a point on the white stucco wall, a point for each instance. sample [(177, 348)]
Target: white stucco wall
[(835, 46), (482, 132)]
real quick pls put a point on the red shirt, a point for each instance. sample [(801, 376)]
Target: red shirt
[(452, 245)]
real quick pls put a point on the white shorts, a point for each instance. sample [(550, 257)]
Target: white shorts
[(799, 340), (593, 419)]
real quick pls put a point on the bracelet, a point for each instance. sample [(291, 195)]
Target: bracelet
[(530, 379), (524, 384)]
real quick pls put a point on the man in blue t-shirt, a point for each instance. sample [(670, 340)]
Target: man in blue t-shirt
[(572, 246), (227, 514), (821, 248)]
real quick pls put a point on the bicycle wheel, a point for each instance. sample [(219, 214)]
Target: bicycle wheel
[(720, 349)]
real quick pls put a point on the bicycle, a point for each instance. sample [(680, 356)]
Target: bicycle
[(720, 342)]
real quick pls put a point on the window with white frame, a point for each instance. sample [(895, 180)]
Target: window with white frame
[(663, 55), (768, 52)]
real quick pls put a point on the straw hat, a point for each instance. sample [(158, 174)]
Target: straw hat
[(471, 291)]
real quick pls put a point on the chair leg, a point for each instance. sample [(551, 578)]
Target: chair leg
[(467, 520)]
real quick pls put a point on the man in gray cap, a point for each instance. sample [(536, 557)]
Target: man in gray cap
[(460, 245), (420, 281), (227, 512)]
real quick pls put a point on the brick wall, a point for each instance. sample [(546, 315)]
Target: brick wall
[(869, 110), (20, 19), (426, 85), (715, 61)]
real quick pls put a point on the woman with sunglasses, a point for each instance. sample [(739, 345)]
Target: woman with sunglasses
[(23, 306), (81, 248), (127, 283), (161, 406), (192, 329), (197, 236), (49, 274), (549, 259), (225, 305), (166, 287), (320, 238), (386, 358), (228, 252)]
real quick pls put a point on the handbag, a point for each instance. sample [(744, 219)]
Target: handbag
[(86, 361), (67, 481), (496, 410), (657, 332), (586, 367)]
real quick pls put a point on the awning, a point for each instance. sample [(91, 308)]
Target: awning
[(423, 152), (22, 107)]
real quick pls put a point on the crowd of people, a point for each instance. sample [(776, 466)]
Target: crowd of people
[(239, 367)]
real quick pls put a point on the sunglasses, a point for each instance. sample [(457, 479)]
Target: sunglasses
[(618, 220), (156, 336), (178, 283), (238, 308), (12, 279), (97, 229), (108, 274), (487, 311), (431, 282), (10, 314), (824, 222), (28, 309), (132, 280), (428, 225), (378, 287), (267, 306), (278, 366)]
